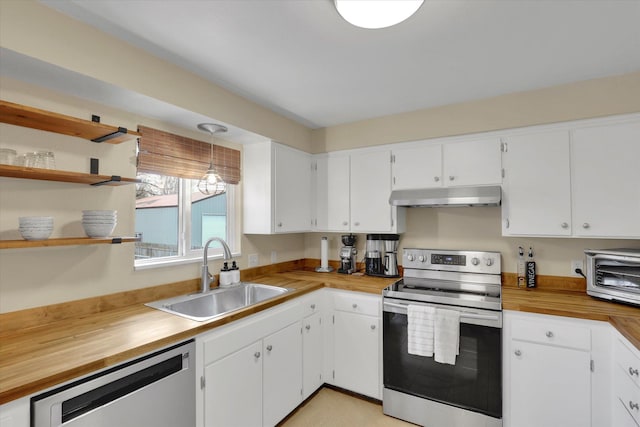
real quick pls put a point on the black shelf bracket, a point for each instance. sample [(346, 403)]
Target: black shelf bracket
[(121, 131), (116, 240), (114, 178)]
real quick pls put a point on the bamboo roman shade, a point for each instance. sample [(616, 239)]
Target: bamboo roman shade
[(167, 154)]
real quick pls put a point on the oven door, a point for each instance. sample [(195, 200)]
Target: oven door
[(474, 383)]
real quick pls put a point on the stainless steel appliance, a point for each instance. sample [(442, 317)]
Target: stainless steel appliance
[(614, 274), (381, 255), (348, 254), (155, 390), (420, 390)]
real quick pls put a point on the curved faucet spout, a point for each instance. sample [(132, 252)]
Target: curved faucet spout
[(207, 278)]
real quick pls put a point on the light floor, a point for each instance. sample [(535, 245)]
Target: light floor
[(331, 408)]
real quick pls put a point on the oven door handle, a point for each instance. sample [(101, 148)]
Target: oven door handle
[(462, 313)]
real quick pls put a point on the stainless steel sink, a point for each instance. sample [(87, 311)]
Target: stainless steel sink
[(206, 306)]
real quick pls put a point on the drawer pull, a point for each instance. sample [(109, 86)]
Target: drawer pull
[(549, 334), (355, 306), (373, 327), (256, 354), (633, 371), (634, 405), (307, 327), (269, 347), (313, 306), (517, 353)]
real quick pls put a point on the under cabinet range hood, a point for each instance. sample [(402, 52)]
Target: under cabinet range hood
[(442, 197)]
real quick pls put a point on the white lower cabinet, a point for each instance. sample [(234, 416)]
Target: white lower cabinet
[(548, 362), (252, 369), (626, 383), (15, 413), (357, 343), (281, 373), (312, 354)]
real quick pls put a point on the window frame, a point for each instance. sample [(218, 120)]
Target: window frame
[(186, 255)]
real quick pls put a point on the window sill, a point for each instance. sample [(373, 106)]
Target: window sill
[(171, 262)]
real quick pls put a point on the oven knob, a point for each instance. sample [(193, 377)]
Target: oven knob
[(410, 257), (489, 262), (421, 258), (475, 261)]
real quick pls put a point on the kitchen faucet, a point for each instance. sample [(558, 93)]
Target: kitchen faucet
[(207, 278)]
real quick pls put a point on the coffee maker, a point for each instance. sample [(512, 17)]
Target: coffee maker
[(348, 254), (381, 255)]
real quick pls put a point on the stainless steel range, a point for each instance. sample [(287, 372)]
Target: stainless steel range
[(417, 388)]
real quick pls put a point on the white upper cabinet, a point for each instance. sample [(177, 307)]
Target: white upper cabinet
[(606, 180), (536, 196), (476, 162), (417, 167), (276, 189), (370, 191), (580, 182), (352, 193), (448, 164)]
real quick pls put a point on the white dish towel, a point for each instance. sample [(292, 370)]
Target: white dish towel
[(420, 324), (446, 344)]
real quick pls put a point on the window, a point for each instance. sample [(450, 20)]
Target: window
[(173, 219), (167, 208)]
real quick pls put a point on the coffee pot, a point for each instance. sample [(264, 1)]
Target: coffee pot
[(381, 255)]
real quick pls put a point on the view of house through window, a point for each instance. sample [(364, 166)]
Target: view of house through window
[(168, 208)]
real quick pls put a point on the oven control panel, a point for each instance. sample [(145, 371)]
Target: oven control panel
[(447, 260)]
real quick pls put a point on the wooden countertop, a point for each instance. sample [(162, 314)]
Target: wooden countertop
[(41, 355)]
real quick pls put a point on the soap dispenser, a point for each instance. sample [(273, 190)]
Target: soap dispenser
[(226, 276), (235, 273)]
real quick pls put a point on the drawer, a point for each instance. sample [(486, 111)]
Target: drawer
[(627, 361), (355, 303), (621, 416), (312, 303), (553, 333), (627, 392)]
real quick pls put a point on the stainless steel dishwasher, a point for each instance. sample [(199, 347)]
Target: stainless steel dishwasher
[(155, 390)]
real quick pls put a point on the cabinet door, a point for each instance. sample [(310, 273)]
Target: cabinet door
[(417, 167), (356, 353), (606, 180), (312, 354), (370, 191), (292, 186), (338, 198), (472, 162), (550, 386), (282, 373), (233, 390), (536, 186)]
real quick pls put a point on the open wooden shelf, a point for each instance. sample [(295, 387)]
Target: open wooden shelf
[(21, 115), (63, 176), (65, 241)]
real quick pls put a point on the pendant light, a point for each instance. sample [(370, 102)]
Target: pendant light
[(211, 184), (373, 14)]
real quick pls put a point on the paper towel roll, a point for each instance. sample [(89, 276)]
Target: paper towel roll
[(324, 253)]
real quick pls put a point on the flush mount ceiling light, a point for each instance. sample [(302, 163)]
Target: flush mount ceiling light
[(376, 13), (211, 184)]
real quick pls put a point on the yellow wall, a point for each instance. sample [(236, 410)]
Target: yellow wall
[(34, 277)]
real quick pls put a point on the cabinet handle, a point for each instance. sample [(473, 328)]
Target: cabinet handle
[(279, 224), (256, 354), (549, 334), (307, 327), (633, 371), (356, 223), (436, 178), (373, 327), (517, 353), (313, 306), (634, 405), (586, 225), (345, 223), (269, 347), (354, 305), (564, 225), (451, 177)]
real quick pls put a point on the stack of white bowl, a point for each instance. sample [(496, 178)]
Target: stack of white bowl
[(36, 227), (99, 223)]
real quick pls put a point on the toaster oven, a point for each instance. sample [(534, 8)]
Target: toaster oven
[(614, 274)]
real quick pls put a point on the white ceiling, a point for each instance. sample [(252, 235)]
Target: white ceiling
[(299, 58)]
